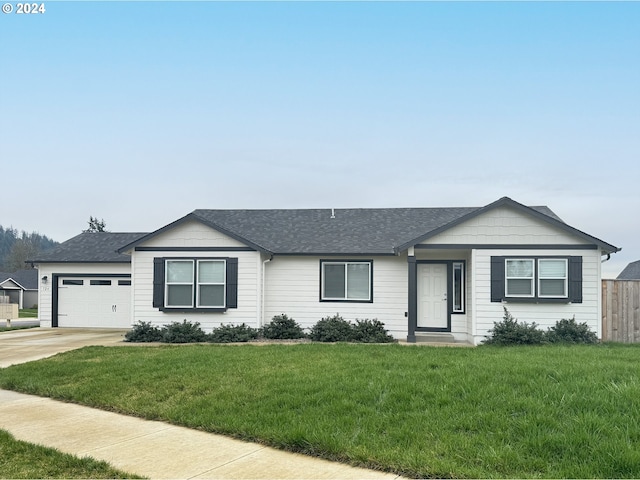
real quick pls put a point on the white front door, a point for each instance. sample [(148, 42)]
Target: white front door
[(432, 296)]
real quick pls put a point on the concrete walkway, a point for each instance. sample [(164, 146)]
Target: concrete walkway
[(153, 449)]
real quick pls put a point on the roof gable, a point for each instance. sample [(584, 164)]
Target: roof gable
[(541, 213), (26, 279), (10, 283)]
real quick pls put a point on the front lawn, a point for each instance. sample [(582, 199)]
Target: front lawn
[(551, 411), (28, 313), (25, 460)]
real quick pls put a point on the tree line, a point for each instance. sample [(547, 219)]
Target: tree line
[(17, 247)]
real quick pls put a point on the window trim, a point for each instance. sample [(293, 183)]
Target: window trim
[(168, 284), (195, 284), (368, 262), (532, 278), (199, 283), (565, 278)]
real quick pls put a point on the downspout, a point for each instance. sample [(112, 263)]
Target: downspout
[(264, 265)]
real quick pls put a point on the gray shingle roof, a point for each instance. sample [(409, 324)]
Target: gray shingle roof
[(370, 231), (630, 272), (356, 231), (352, 231), (28, 279), (99, 247)]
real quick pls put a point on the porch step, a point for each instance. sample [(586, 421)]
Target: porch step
[(435, 337)]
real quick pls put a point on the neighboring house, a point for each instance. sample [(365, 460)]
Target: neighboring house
[(630, 272), (20, 287), (448, 271)]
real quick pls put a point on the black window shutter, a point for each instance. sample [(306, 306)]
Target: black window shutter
[(232, 283), (497, 279), (158, 282), (575, 279)]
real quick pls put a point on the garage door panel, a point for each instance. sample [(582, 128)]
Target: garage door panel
[(94, 302)]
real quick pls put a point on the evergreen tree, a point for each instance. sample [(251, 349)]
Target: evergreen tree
[(95, 225)]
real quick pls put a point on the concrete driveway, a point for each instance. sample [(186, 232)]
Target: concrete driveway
[(20, 346)]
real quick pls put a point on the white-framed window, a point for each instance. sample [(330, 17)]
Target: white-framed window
[(346, 280), (179, 281), (211, 283), (195, 283), (519, 277), (458, 287), (553, 277)]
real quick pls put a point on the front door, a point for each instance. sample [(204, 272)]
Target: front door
[(433, 312)]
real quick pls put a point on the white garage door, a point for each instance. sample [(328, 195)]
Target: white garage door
[(102, 302)]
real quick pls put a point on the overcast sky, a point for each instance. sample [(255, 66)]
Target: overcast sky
[(140, 112)]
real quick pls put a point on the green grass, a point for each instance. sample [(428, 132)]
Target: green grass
[(28, 313), (551, 411), (25, 460), (16, 327)]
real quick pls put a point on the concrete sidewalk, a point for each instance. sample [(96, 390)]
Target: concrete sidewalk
[(152, 449)]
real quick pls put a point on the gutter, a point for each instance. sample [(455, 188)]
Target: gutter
[(262, 296)]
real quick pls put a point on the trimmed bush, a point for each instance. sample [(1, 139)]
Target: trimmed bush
[(232, 334), (370, 331), (569, 331), (332, 329), (282, 327), (185, 332), (143, 332), (510, 332)]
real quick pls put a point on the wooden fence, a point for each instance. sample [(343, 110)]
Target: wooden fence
[(621, 311)]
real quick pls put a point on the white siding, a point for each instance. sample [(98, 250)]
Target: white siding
[(49, 269), (543, 314), (293, 287), (192, 234), (248, 282), (505, 225)]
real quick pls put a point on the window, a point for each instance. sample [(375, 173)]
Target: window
[(552, 277), (100, 282), (72, 282), (458, 287), (211, 283), (124, 282), (537, 279), (179, 283), (346, 281), (194, 283), (519, 277)]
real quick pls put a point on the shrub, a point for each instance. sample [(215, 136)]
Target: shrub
[(510, 332), (282, 327), (232, 334), (185, 332), (332, 329), (569, 331), (370, 331), (143, 332)]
